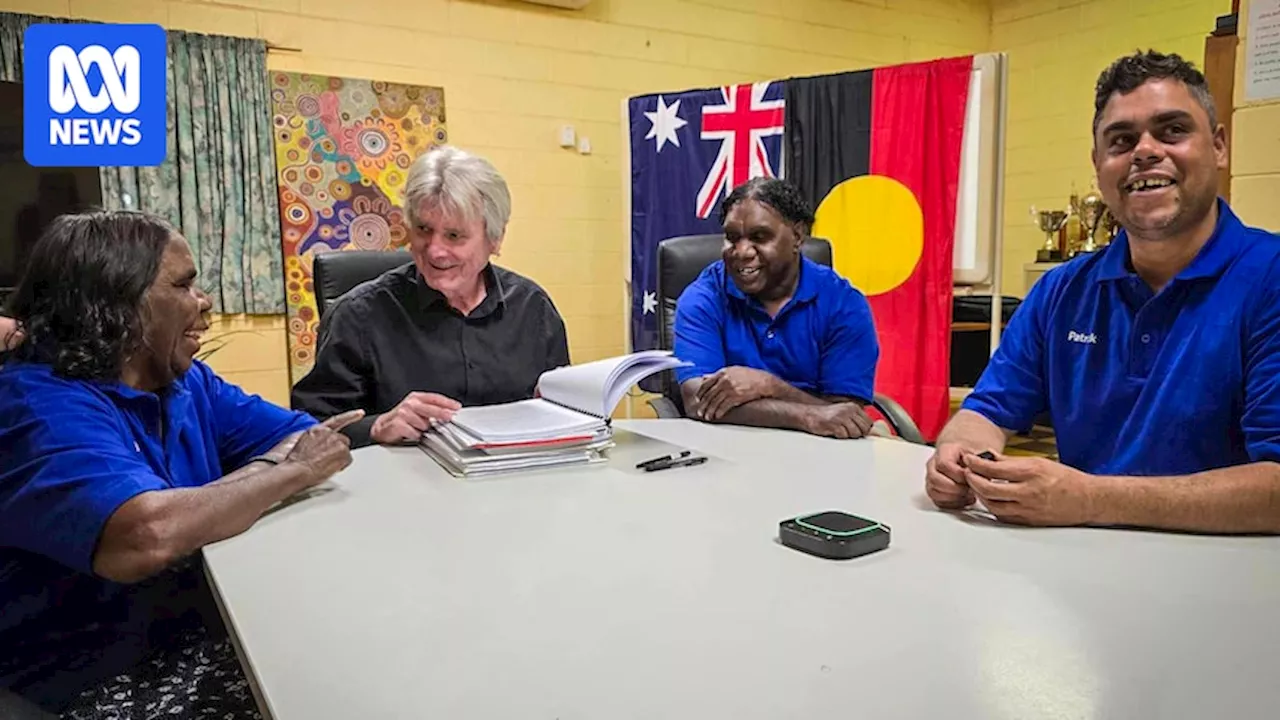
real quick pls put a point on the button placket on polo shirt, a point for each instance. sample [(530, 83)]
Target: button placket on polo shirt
[(143, 413), (775, 323), (1151, 327), (766, 327)]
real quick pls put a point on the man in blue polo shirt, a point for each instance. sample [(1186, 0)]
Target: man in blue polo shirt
[(1158, 358), (775, 339), (120, 457)]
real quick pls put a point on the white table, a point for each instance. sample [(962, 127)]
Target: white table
[(607, 593)]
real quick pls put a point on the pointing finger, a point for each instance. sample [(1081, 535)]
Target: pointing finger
[(337, 422)]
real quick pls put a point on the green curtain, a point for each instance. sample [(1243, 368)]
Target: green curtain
[(218, 181), (12, 26)]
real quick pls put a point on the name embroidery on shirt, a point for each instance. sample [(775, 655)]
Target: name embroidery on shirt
[(1089, 339)]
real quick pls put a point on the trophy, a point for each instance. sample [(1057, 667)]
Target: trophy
[(1091, 212), (1049, 222), (1110, 226)]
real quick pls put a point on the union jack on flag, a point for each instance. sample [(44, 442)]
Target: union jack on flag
[(740, 123), (688, 151)]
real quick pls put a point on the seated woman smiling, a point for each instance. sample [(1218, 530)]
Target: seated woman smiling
[(121, 457)]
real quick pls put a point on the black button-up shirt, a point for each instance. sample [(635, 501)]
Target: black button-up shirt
[(395, 335)]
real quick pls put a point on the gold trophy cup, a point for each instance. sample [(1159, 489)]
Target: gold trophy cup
[(1049, 222), (1091, 211), (1110, 226)]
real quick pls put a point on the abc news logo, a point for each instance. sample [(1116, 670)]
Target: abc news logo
[(69, 89), (94, 94)]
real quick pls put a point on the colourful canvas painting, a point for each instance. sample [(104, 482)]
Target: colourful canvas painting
[(343, 148)]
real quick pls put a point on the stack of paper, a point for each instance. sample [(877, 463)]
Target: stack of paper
[(466, 449), (567, 425)]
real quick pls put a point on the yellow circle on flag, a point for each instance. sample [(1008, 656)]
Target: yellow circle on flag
[(876, 229)]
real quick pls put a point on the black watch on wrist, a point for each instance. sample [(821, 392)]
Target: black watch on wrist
[(266, 459)]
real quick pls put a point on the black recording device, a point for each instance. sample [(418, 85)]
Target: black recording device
[(834, 535)]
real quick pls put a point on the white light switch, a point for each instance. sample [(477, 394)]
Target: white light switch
[(567, 136), (584, 145)]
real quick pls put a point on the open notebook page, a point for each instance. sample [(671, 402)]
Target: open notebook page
[(597, 387), (523, 420)]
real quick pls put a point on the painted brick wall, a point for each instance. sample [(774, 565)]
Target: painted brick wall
[(1056, 50), (513, 73)]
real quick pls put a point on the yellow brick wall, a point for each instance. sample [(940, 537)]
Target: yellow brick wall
[(248, 350), (1255, 154), (1056, 50), (513, 73)]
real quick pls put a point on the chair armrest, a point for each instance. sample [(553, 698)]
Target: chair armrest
[(664, 408), (898, 419)]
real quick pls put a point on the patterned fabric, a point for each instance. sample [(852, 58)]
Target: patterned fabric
[(343, 148), (12, 26), (199, 679), (217, 183)]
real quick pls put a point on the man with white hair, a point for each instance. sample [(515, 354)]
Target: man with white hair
[(447, 330)]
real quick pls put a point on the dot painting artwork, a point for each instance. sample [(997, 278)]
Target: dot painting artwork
[(343, 148)]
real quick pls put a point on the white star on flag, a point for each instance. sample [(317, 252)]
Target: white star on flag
[(666, 121), (650, 303)]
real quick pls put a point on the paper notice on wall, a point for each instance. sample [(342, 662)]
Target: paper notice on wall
[(1262, 58)]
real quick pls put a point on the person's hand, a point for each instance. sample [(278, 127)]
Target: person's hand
[(1030, 490), (409, 419), (843, 420), (282, 449), (730, 387), (10, 336), (322, 449), (944, 478)]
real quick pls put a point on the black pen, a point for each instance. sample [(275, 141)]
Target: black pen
[(678, 463), (664, 459)]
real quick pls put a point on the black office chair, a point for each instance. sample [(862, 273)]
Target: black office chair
[(680, 260), (335, 273)]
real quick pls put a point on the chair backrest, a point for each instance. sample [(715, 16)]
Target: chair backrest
[(680, 260), (335, 273)]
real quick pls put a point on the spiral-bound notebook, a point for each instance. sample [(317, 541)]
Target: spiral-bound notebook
[(576, 399), (567, 424)]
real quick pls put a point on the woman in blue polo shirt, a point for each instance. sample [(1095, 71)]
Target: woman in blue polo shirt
[(774, 339), (122, 457)]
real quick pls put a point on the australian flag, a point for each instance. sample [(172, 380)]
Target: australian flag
[(688, 150)]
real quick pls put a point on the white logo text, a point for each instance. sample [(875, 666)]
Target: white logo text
[(69, 88), (1090, 339)]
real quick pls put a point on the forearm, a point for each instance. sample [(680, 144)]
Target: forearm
[(1241, 499), (155, 529), (778, 390), (974, 432), (786, 392), (770, 413)]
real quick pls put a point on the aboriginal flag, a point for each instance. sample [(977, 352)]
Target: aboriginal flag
[(877, 153)]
